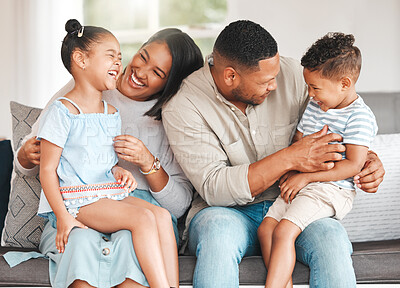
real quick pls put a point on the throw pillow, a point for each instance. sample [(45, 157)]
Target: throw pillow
[(5, 177), (23, 228), (376, 216)]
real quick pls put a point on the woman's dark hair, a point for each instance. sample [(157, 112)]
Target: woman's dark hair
[(245, 43), (334, 56), (79, 37), (186, 58)]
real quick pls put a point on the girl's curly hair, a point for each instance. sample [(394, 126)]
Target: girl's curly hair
[(335, 56)]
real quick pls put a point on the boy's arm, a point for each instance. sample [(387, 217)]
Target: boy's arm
[(356, 156), (354, 162)]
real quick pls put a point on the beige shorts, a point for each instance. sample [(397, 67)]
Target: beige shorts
[(315, 201)]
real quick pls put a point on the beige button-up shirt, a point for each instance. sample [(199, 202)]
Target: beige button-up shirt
[(215, 142)]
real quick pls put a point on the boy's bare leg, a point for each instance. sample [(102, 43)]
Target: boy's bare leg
[(166, 236), (265, 232), (283, 254), (108, 216)]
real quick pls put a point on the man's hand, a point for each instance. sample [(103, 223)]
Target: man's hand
[(29, 153), (314, 153), (371, 176)]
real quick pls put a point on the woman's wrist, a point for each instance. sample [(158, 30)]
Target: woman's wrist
[(152, 168)]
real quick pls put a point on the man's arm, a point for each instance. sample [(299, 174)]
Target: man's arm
[(207, 165), (309, 154)]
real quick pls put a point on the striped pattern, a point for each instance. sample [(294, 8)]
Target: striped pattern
[(355, 123), (77, 196)]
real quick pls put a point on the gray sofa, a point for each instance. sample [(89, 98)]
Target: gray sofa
[(373, 227)]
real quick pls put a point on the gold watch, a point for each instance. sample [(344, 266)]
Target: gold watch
[(156, 166)]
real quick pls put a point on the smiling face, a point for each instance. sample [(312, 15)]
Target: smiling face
[(328, 93), (103, 63), (147, 72), (256, 86)]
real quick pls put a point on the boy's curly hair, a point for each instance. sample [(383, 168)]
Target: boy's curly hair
[(335, 56)]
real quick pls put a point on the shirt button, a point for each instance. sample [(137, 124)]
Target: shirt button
[(254, 132), (106, 251), (105, 238), (233, 108)]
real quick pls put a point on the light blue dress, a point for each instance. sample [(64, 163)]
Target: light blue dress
[(88, 155), (108, 260), (102, 260)]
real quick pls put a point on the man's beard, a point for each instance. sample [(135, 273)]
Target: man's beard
[(238, 94)]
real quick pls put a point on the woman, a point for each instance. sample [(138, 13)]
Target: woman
[(153, 76)]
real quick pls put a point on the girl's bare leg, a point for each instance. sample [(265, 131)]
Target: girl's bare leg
[(108, 216), (80, 284), (167, 238), (283, 255), (129, 283)]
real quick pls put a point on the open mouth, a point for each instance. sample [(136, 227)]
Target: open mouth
[(113, 73), (136, 81)]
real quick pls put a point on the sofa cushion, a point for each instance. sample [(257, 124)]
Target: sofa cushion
[(5, 177), (23, 227), (374, 262)]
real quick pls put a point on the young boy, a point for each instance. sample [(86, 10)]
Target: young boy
[(331, 68)]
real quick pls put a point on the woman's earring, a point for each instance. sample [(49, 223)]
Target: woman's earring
[(83, 67)]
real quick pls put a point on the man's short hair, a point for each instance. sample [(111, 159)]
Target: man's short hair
[(334, 56), (245, 43)]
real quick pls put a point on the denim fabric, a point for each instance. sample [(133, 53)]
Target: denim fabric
[(221, 236)]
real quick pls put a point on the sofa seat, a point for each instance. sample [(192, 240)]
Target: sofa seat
[(374, 262)]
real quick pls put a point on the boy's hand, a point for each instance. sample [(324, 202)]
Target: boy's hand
[(292, 186), (64, 227), (125, 178), (286, 176)]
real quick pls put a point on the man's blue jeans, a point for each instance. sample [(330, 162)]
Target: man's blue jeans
[(221, 236)]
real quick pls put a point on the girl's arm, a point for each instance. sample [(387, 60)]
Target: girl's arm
[(50, 157), (28, 155)]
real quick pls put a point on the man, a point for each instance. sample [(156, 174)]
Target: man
[(230, 126)]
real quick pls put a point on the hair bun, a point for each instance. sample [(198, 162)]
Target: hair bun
[(72, 25)]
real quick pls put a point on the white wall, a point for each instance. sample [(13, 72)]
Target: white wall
[(32, 71), (295, 25)]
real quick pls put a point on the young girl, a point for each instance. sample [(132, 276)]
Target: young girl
[(78, 170), (331, 68)]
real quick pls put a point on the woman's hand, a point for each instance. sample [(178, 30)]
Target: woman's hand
[(64, 227), (125, 178), (371, 176), (29, 153), (133, 150)]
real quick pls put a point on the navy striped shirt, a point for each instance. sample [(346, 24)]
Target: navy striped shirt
[(355, 123)]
